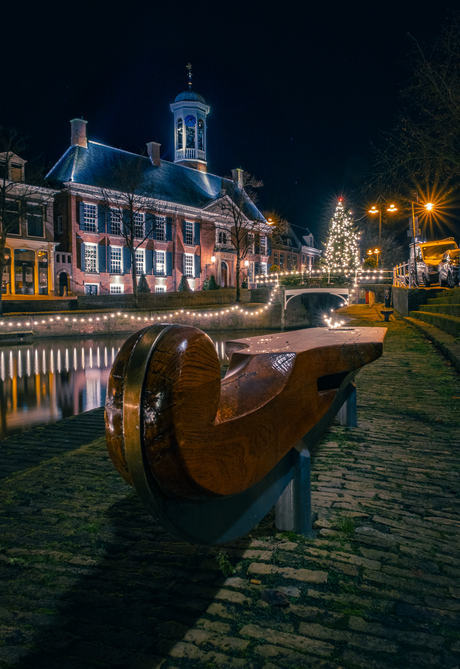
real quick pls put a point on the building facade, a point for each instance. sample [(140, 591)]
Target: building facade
[(27, 220), (114, 208)]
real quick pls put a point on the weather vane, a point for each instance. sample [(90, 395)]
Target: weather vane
[(189, 68)]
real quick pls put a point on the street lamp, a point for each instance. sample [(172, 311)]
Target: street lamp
[(374, 252), (378, 210), (429, 206)]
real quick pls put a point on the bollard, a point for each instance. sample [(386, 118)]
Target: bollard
[(293, 508)]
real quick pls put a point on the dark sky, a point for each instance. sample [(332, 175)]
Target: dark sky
[(297, 93)]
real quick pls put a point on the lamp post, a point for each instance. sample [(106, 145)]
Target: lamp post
[(374, 252), (429, 206), (378, 210)]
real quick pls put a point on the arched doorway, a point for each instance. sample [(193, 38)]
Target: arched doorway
[(63, 284), (223, 274)]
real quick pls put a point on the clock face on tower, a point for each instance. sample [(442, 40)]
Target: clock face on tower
[(190, 121)]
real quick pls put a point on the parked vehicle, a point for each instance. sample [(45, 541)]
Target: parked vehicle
[(448, 268), (425, 258)]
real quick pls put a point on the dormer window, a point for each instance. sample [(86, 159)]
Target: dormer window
[(222, 238)]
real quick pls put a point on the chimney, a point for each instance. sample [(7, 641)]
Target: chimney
[(237, 176), (78, 133), (153, 149)]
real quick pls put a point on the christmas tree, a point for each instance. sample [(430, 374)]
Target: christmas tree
[(342, 250)]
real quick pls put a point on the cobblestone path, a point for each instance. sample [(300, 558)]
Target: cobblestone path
[(89, 580)]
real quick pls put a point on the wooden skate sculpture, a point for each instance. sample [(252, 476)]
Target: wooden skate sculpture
[(209, 457)]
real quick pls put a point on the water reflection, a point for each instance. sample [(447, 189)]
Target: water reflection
[(67, 377)]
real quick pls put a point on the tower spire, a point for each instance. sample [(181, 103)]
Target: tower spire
[(189, 68)]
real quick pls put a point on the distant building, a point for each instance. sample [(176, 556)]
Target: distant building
[(181, 226), (28, 220), (309, 250)]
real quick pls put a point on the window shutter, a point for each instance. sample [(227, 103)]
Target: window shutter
[(126, 260), (100, 218), (81, 209), (197, 234), (197, 266), (82, 257), (126, 223), (109, 258), (148, 261), (168, 263), (256, 268), (102, 258), (169, 229), (183, 231)]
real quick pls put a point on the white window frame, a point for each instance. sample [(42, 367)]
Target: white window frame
[(117, 224), (160, 288), (160, 228), (139, 255), (160, 260), (251, 242), (189, 265), (189, 233), (89, 217), (139, 224), (263, 245), (92, 247), (263, 268), (118, 269), (117, 289)]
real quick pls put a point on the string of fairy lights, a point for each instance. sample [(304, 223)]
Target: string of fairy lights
[(124, 317)]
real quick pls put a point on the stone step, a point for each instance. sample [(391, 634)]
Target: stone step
[(450, 324), (449, 296)]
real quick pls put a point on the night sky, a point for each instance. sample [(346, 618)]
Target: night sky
[(297, 93)]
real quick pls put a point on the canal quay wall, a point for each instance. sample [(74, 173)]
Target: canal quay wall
[(88, 578)]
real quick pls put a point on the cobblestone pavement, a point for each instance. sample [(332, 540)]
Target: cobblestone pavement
[(89, 580)]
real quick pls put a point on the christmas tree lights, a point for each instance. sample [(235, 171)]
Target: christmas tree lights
[(342, 251)]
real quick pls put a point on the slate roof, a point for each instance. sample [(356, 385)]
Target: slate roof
[(103, 166)]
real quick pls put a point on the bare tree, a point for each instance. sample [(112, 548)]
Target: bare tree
[(237, 206), (424, 147), (15, 193), (132, 206)]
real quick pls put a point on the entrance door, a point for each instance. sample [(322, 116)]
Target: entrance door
[(63, 284), (223, 274)]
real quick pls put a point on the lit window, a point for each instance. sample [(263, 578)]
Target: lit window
[(115, 260), (90, 258), (251, 242), (188, 264), (115, 222), (263, 245), (188, 233), (160, 266), (263, 268), (251, 272), (90, 217), (281, 260), (139, 225), (160, 228), (140, 261), (160, 289), (116, 288)]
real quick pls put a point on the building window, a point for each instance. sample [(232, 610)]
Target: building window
[(263, 245), (34, 220), (275, 258), (60, 226), (222, 238), (69, 259), (281, 260), (263, 268), (188, 233), (139, 219), (116, 289), (11, 218), (251, 242), (116, 266), (160, 228), (160, 289), (160, 266), (91, 288), (188, 264), (200, 134), (90, 257), (115, 222), (251, 272), (90, 217), (180, 142), (140, 261)]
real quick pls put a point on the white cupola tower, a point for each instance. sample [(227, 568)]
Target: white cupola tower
[(190, 111)]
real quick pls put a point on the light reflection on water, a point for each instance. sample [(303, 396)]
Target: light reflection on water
[(44, 382)]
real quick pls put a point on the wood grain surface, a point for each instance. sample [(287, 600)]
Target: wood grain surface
[(204, 437)]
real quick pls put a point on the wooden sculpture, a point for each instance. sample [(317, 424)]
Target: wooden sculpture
[(190, 442)]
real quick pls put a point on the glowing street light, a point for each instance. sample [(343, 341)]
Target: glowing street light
[(378, 210)]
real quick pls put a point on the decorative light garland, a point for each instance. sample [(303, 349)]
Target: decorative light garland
[(145, 319)]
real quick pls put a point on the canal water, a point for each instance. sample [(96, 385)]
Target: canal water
[(56, 378)]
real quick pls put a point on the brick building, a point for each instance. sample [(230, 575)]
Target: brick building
[(27, 219), (180, 225)]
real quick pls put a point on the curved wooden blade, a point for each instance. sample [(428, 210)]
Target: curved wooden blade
[(200, 437)]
